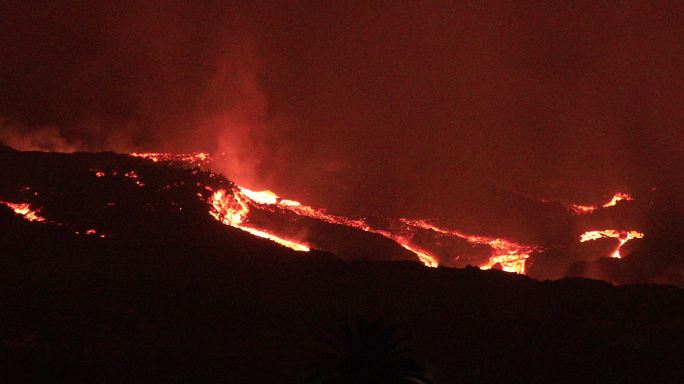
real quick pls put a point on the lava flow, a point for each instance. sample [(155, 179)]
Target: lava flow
[(232, 209), (24, 209), (584, 209), (232, 206), (622, 236), (508, 255), (270, 198), (260, 212)]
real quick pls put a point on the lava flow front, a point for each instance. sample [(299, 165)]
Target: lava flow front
[(301, 227), (584, 209), (622, 236), (232, 209), (234, 205), (235, 213), (510, 256)]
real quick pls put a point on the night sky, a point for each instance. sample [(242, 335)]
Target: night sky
[(325, 101)]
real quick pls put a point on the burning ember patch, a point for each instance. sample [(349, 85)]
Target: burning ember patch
[(192, 159), (134, 176)]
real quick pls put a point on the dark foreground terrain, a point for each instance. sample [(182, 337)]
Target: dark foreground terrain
[(174, 296)]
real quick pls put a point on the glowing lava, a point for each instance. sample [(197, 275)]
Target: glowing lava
[(618, 197), (194, 159), (270, 198), (134, 176), (584, 209), (261, 197), (232, 209), (622, 236), (24, 209), (509, 255)]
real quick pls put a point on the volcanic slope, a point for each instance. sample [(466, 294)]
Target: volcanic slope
[(123, 282)]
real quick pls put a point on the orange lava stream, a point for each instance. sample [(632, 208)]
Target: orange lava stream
[(270, 198), (24, 209), (425, 257), (510, 255), (301, 247), (584, 209), (622, 236), (232, 209), (618, 197)]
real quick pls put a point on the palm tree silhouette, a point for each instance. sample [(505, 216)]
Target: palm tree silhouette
[(365, 353)]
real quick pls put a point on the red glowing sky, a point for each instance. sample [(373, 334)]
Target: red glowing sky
[(569, 99)]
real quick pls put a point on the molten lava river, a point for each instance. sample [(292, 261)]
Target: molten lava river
[(234, 206)]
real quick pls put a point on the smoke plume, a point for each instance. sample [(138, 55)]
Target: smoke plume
[(326, 101)]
